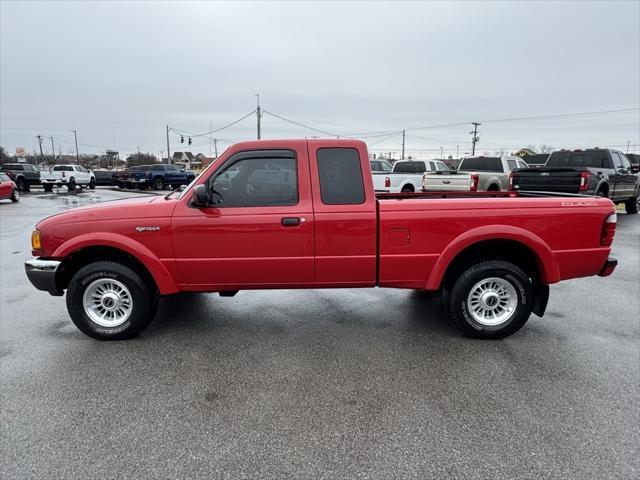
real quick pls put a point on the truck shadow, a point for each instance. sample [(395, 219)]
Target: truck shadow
[(417, 313)]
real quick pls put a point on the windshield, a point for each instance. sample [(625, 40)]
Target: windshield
[(481, 164)]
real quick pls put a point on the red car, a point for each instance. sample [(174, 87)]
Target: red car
[(8, 189), (303, 214)]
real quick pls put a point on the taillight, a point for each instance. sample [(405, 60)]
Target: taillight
[(608, 230), (474, 183), (584, 181), (387, 182), (510, 181)]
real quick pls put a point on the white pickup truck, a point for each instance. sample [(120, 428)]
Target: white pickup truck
[(481, 174), (406, 175), (71, 176)]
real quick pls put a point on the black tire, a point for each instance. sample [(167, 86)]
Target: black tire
[(22, 184), (461, 292), (121, 185), (15, 195), (407, 189), (144, 301), (158, 183), (47, 187), (493, 188), (92, 184), (143, 186), (71, 186), (600, 193), (633, 204)]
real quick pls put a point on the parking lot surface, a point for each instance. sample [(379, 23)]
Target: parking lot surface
[(365, 383)]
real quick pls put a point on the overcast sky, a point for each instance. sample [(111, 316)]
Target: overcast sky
[(118, 72)]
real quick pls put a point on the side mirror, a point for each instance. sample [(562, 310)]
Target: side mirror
[(200, 197), (182, 169)]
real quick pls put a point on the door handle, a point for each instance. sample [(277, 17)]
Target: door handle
[(291, 221)]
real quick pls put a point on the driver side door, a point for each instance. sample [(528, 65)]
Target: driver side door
[(261, 233)]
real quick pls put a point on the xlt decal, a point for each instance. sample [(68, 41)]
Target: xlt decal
[(579, 203), (147, 229)]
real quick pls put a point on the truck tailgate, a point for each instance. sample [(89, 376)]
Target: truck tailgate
[(448, 182), (547, 179)]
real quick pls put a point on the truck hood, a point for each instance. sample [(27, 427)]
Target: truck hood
[(141, 207)]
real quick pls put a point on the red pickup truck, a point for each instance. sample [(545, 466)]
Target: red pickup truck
[(303, 214)]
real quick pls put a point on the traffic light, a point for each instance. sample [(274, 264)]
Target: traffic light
[(181, 139), (189, 140)]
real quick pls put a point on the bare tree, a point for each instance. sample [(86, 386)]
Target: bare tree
[(141, 159), (545, 148)]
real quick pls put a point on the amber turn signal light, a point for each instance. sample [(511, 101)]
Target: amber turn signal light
[(36, 240)]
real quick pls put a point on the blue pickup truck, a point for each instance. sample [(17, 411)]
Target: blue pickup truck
[(159, 176)]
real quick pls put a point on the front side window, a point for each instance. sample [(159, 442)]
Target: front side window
[(340, 176), (442, 167), (253, 182), (512, 164), (386, 167)]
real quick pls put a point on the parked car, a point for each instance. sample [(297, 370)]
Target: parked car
[(71, 176), (598, 171), (23, 174), (481, 174), (8, 189), (106, 178), (634, 159), (160, 176), (302, 214), (406, 175)]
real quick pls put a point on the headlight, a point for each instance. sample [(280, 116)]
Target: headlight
[(36, 240)]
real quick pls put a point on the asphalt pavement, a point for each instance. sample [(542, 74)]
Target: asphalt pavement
[(337, 384)]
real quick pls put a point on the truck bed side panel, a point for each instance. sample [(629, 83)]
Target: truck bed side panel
[(415, 233)]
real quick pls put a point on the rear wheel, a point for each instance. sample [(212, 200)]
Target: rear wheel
[(48, 187), (15, 195), (601, 193), (407, 189), (22, 184), (71, 186), (491, 300), (92, 184), (110, 301), (633, 204)]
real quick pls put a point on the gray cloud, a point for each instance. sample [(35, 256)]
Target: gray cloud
[(118, 72)]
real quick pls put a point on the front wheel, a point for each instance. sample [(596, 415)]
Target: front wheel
[(22, 185), (71, 186), (109, 301), (491, 300), (633, 204), (48, 187), (15, 195)]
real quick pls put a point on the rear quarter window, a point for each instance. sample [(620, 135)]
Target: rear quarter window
[(340, 176)]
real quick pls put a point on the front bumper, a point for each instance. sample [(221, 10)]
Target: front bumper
[(42, 274), (609, 266)]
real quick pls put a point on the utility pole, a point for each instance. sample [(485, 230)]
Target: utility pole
[(215, 146), (457, 151), (475, 139), (39, 137), (441, 154), (403, 137), (53, 151), (168, 151), (75, 134), (210, 140), (258, 115), (628, 141)]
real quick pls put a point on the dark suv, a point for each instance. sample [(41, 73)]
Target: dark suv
[(23, 174), (597, 171)]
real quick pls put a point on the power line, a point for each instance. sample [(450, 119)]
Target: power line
[(191, 134), (301, 124)]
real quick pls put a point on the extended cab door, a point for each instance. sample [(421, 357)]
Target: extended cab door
[(345, 214), (625, 180), (261, 233)]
